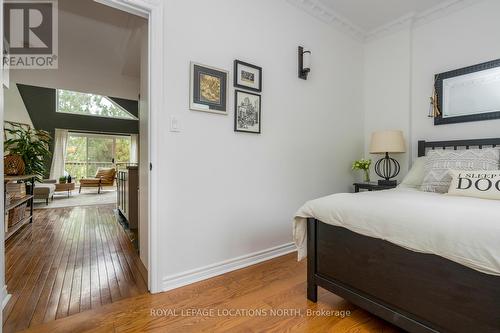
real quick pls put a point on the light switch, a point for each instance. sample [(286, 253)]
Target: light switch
[(175, 125)]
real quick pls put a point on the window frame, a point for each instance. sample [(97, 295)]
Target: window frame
[(114, 137), (94, 115)]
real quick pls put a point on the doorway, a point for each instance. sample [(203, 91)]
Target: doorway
[(89, 163)]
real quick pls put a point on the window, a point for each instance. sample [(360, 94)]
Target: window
[(90, 105), (85, 153)]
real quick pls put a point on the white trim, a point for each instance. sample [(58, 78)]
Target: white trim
[(136, 7), (325, 14), (153, 11), (5, 296), (401, 23), (178, 280), (329, 16), (418, 19), (443, 10)]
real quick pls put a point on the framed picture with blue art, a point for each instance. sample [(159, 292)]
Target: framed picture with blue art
[(247, 112), (208, 89)]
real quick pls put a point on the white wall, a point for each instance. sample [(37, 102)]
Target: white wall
[(463, 38), (387, 89), (143, 151), (14, 108), (227, 194)]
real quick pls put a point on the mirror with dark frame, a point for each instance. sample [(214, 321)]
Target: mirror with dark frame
[(469, 94)]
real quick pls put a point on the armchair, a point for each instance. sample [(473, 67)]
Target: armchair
[(103, 177)]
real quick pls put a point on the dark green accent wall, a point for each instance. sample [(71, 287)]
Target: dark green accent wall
[(127, 104), (40, 103)]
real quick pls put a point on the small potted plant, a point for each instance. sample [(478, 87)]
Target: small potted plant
[(363, 164), (62, 180)]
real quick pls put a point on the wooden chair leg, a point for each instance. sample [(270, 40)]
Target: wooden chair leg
[(80, 189)]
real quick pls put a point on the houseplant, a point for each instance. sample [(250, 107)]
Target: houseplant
[(33, 147), (62, 180), (363, 164)]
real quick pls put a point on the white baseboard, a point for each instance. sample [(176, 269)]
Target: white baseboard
[(182, 279), (5, 296)]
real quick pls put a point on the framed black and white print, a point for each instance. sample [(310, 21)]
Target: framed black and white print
[(247, 112), (208, 89), (247, 76)]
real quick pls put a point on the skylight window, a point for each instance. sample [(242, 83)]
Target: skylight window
[(74, 102)]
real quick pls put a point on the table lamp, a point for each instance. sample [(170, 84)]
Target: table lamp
[(385, 142)]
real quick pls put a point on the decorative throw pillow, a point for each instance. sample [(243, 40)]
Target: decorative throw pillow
[(440, 162), (477, 184), (415, 176)]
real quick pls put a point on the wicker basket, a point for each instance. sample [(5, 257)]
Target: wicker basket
[(17, 214), (13, 165), (8, 198), (16, 190)]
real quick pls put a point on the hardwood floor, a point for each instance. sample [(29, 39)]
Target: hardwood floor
[(67, 261), (245, 298)]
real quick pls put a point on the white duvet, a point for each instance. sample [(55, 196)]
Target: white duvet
[(461, 229)]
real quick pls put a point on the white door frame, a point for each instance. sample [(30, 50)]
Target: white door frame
[(4, 296), (153, 11)]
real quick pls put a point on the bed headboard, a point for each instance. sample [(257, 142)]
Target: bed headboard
[(456, 144)]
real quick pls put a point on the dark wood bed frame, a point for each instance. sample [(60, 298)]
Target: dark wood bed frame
[(415, 291)]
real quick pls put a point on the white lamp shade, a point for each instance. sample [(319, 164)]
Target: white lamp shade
[(387, 142), (306, 60)]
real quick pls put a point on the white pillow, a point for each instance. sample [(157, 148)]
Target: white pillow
[(440, 162), (477, 184), (415, 176)]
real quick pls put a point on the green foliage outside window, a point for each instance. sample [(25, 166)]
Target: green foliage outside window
[(90, 105), (86, 153)]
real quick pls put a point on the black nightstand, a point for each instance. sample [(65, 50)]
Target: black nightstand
[(372, 186)]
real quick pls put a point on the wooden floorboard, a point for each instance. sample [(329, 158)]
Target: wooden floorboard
[(278, 284), (66, 262)]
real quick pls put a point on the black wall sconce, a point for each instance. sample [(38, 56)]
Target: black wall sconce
[(304, 63)]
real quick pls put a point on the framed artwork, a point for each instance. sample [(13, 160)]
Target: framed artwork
[(468, 94), (247, 76), (208, 89), (247, 112)]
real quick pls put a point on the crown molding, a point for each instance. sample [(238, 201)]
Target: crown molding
[(326, 15), (401, 23), (443, 10), (417, 19), (407, 21)]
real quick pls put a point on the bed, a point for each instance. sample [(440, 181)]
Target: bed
[(418, 291)]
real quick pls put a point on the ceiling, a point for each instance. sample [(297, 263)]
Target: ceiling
[(368, 19), (372, 14), (86, 26)]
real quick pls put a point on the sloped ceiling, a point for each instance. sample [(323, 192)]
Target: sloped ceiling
[(87, 25)]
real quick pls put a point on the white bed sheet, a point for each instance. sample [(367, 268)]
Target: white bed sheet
[(461, 229)]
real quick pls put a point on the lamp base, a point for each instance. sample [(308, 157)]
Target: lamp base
[(385, 182), (387, 168)]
